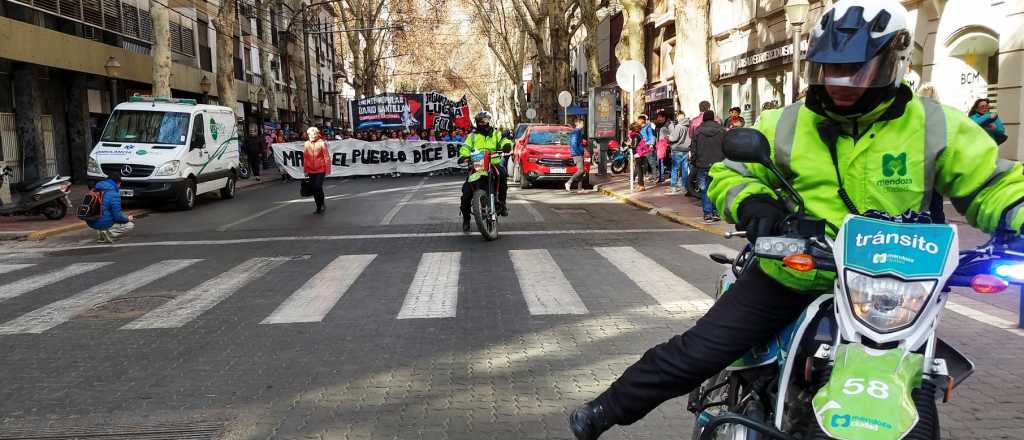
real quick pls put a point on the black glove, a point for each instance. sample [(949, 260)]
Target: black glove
[(760, 216)]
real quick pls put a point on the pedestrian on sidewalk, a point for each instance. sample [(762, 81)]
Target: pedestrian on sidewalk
[(661, 123), (576, 151), (316, 163), (980, 113), (679, 144), (112, 221), (640, 150), (254, 154), (735, 120), (692, 184), (707, 150)]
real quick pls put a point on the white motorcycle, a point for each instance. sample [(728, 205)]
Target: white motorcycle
[(863, 363), (46, 196)]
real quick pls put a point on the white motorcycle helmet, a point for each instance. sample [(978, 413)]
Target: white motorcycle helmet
[(860, 43)]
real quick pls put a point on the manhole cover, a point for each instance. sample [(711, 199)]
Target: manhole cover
[(83, 252), (190, 431), (570, 210), (124, 308)]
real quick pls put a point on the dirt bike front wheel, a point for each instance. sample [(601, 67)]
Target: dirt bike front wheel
[(481, 208)]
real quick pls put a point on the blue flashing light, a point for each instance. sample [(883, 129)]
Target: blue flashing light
[(1012, 272)]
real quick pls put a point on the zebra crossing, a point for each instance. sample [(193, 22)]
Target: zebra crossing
[(432, 294)]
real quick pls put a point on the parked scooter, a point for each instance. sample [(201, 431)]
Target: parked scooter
[(46, 196)]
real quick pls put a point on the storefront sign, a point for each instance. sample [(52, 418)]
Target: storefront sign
[(659, 93), (754, 61)]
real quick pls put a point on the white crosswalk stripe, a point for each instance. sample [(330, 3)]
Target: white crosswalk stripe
[(319, 295), (434, 292), (50, 316), (669, 290), (32, 283), (4, 268), (193, 303), (544, 286)]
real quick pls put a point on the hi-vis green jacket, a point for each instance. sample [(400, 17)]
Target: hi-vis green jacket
[(476, 141), (913, 146)]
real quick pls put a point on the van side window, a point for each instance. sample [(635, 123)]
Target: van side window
[(198, 135)]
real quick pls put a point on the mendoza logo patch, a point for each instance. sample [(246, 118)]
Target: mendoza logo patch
[(894, 165)]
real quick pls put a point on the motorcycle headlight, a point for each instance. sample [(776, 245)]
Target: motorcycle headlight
[(169, 168), (94, 167), (886, 304)]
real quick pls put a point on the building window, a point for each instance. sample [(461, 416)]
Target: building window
[(182, 35), (205, 53)]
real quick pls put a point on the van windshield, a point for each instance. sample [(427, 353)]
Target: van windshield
[(148, 127)]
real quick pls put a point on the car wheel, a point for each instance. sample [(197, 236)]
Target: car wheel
[(186, 196), (524, 182), (228, 191)]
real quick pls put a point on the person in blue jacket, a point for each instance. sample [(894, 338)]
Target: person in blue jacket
[(981, 114), (112, 222), (576, 150)]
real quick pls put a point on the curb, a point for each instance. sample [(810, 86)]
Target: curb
[(660, 212), (46, 233)]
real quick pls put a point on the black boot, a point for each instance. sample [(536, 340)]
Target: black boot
[(465, 225), (589, 421)]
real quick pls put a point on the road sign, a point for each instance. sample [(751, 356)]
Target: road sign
[(564, 98), (631, 76), (531, 114)]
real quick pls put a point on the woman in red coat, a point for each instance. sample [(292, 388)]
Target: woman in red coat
[(316, 163)]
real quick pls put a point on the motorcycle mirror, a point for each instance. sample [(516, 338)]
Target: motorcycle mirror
[(747, 145)]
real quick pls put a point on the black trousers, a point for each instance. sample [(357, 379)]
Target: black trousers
[(467, 190), (316, 182), (752, 311), (255, 164)]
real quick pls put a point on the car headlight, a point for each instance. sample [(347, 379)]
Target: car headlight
[(169, 168), (886, 304), (94, 167)]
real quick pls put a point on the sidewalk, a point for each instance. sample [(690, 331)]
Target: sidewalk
[(675, 207), (38, 227)]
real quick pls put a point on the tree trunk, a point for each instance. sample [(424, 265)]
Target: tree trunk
[(161, 49), (631, 43), (588, 12), (692, 75), (27, 111), (554, 72), (264, 9), (225, 25)]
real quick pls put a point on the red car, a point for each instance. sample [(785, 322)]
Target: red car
[(542, 154)]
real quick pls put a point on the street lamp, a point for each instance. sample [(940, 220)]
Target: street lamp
[(113, 69), (796, 14), (204, 86)]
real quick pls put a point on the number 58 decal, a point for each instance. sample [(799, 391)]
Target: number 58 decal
[(874, 388)]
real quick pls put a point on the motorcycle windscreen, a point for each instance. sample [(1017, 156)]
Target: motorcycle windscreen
[(868, 394)]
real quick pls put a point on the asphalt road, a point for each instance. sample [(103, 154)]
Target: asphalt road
[(256, 319)]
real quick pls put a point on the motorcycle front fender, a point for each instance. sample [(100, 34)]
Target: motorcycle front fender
[(868, 396)]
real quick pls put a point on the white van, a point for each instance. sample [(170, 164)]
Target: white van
[(169, 149)]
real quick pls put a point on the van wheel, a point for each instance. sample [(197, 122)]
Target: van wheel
[(228, 191), (186, 197)]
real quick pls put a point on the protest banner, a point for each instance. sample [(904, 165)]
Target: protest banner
[(392, 111), (353, 157), (443, 114)]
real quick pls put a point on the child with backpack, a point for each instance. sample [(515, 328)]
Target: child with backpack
[(101, 210)]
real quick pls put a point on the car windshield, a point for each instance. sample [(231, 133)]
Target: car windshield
[(519, 131), (549, 138), (148, 127)]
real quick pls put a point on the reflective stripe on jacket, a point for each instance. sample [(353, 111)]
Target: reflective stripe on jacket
[(476, 141), (893, 167)]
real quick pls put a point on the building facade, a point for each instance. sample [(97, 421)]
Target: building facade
[(56, 84), (966, 49)]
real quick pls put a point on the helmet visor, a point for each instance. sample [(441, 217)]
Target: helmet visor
[(880, 71)]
